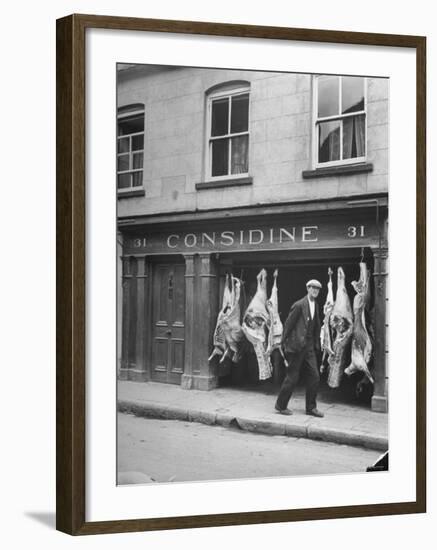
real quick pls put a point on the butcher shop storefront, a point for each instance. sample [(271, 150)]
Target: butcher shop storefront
[(186, 282)]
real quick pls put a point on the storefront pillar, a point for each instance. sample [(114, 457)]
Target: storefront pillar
[(135, 283), (126, 352), (139, 371), (119, 299), (187, 377), (207, 315), (200, 313), (380, 397)]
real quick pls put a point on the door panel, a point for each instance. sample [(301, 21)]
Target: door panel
[(168, 328), (177, 361), (162, 303), (178, 302), (161, 354)]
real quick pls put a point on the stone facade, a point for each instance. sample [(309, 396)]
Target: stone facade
[(280, 143)]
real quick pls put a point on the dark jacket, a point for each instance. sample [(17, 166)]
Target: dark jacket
[(296, 325)]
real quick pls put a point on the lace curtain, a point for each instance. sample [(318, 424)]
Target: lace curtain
[(354, 137), (239, 154)]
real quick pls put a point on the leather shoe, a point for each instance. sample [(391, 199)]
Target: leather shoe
[(286, 412), (315, 412)]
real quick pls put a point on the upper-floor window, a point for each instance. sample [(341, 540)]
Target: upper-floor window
[(340, 115), (130, 147), (228, 133)]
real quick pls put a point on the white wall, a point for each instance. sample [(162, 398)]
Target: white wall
[(28, 276)]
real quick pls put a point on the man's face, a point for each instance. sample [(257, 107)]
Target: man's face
[(313, 292)]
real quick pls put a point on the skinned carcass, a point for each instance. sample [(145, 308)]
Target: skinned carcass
[(231, 321), (341, 322), (325, 333), (361, 342), (219, 339), (275, 325), (255, 323)]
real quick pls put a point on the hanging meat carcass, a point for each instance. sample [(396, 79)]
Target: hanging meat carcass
[(255, 324), (325, 333), (361, 343), (231, 321), (341, 322), (275, 325), (219, 339)]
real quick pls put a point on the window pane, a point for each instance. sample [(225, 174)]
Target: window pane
[(137, 179), (219, 117), (220, 157), (329, 141), (123, 163), (240, 113), (137, 160), (354, 137), (130, 125), (352, 90), (239, 158), (138, 142), (328, 96), (123, 145), (123, 181)]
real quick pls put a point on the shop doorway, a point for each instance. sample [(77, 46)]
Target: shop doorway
[(168, 323), (294, 269)]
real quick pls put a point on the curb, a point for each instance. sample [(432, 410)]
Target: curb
[(319, 433)]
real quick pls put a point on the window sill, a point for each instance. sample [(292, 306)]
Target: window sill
[(140, 192), (345, 169), (231, 182)]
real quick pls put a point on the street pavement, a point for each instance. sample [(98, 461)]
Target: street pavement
[(174, 451), (253, 411)]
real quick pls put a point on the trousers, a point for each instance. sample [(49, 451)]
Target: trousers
[(305, 362)]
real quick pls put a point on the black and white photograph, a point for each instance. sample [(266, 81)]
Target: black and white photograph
[(252, 250), (217, 284)]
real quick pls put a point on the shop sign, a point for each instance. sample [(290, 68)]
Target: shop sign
[(264, 237)]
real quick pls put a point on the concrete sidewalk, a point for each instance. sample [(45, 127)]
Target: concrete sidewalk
[(254, 411)]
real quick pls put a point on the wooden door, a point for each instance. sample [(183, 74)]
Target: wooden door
[(168, 328)]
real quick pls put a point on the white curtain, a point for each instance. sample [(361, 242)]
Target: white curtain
[(354, 137), (334, 145), (239, 158), (329, 140)]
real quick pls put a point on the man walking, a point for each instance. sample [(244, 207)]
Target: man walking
[(300, 343)]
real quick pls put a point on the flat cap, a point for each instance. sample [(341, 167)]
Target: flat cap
[(314, 282)]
